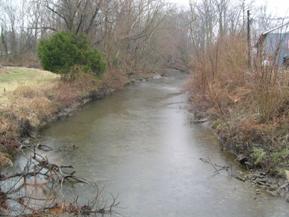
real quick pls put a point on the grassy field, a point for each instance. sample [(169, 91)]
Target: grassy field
[(13, 77), (34, 96)]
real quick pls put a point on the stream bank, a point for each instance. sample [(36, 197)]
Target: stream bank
[(33, 108), (232, 141), (139, 144)]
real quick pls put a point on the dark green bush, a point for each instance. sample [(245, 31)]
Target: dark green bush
[(63, 50)]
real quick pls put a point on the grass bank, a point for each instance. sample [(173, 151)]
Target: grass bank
[(30, 98)]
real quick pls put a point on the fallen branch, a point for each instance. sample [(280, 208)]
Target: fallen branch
[(219, 168), (18, 190)]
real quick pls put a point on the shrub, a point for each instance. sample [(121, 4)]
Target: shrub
[(115, 78), (63, 50), (259, 155), (95, 61)]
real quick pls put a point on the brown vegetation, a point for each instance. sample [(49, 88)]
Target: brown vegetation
[(249, 109), (247, 103)]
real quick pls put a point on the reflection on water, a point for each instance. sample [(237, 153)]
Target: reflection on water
[(139, 144)]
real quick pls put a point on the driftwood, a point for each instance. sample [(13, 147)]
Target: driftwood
[(18, 197), (217, 168)]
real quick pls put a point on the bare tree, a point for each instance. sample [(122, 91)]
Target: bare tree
[(74, 15)]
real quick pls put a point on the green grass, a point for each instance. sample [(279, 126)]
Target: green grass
[(13, 77)]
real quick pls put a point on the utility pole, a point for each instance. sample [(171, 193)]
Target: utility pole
[(249, 39)]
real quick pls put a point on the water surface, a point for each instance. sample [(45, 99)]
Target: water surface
[(140, 145)]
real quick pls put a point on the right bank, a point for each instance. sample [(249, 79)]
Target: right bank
[(248, 109)]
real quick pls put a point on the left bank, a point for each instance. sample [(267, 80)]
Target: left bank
[(31, 98)]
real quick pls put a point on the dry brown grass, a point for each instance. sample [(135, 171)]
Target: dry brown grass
[(26, 92), (219, 76), (7, 128), (223, 62), (250, 108), (24, 81), (40, 99), (34, 110)]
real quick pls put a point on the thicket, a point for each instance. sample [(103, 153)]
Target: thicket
[(136, 37), (248, 107), (63, 51)]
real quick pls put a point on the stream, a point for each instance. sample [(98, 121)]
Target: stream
[(139, 144)]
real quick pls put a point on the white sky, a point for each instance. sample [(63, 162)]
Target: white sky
[(276, 7)]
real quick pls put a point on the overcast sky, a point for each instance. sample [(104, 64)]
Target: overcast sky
[(276, 7)]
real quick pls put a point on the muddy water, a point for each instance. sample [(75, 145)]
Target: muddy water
[(140, 145)]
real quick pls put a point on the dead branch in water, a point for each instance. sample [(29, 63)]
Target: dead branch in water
[(220, 168), (37, 191)]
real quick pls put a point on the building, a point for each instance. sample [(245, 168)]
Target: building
[(277, 45), (273, 45)]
